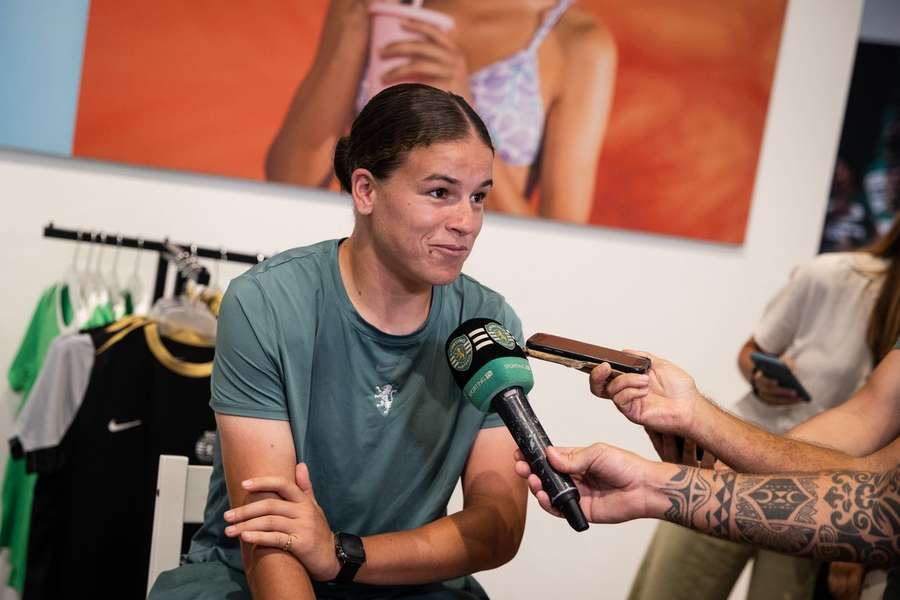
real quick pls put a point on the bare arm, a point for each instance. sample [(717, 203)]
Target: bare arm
[(866, 425), (872, 414), (483, 535), (851, 516), (668, 402), (251, 447), (576, 124), (573, 133), (323, 106), (842, 515), (745, 365)]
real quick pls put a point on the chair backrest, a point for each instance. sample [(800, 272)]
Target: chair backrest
[(181, 491)]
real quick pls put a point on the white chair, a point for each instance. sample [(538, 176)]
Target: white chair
[(181, 492)]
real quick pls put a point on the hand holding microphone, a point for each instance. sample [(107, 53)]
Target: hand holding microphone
[(494, 374)]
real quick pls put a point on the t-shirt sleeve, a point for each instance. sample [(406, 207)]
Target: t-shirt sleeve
[(778, 326), (509, 319), (247, 379), (57, 394), (25, 364)]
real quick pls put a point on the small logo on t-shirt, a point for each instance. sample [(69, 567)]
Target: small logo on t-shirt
[(384, 397), (115, 426)]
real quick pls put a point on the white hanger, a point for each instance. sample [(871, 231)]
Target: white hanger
[(117, 297), (187, 313), (72, 281)]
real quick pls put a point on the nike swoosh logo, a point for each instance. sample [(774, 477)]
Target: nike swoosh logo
[(116, 427)]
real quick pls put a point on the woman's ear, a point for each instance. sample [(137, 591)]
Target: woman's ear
[(363, 188)]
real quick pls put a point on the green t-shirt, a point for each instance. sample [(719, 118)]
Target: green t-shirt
[(378, 418), (51, 317)]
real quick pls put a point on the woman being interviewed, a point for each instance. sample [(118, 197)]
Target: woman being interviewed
[(332, 356)]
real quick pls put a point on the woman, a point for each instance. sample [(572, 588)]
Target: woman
[(543, 85), (331, 356), (838, 317)]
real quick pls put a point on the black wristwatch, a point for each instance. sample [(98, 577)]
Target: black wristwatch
[(350, 552)]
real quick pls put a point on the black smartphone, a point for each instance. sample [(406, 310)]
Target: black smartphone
[(775, 368), (581, 355)]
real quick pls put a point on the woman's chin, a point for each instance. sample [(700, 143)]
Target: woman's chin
[(444, 275)]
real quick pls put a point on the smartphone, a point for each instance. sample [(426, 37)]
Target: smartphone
[(775, 368), (581, 355)]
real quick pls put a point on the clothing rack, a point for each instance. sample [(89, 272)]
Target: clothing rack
[(183, 257)]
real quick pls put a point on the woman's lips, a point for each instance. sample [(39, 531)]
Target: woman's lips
[(454, 250)]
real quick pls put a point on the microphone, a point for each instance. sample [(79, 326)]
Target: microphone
[(494, 375)]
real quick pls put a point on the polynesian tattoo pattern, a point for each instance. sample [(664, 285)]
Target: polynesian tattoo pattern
[(849, 516)]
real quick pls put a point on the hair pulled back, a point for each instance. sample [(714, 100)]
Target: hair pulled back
[(398, 119)]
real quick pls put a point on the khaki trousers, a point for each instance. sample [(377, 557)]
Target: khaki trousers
[(681, 564)]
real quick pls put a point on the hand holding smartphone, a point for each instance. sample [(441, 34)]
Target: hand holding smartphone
[(775, 368), (584, 357)]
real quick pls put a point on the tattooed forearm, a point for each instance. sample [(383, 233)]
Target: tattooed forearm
[(843, 515)]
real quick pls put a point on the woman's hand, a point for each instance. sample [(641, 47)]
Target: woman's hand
[(436, 60), (768, 390), (295, 523)]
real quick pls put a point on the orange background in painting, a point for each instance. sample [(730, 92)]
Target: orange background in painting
[(203, 86)]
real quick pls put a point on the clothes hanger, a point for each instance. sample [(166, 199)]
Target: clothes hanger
[(71, 281), (89, 292), (189, 315), (117, 296), (134, 287), (104, 296)]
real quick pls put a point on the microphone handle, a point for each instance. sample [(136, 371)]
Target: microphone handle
[(513, 407)]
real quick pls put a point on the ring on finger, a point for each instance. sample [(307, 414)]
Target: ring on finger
[(288, 543)]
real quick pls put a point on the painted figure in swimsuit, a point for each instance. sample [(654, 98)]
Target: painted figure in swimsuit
[(539, 72)]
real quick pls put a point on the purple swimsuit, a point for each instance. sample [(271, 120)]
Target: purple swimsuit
[(507, 96)]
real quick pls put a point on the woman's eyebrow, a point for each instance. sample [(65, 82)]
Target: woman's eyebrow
[(442, 177)]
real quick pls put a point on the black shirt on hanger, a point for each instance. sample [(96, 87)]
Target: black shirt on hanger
[(92, 512)]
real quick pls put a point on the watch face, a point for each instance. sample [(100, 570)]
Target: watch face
[(350, 549)]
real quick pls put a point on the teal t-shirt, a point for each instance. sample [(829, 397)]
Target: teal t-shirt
[(378, 418)]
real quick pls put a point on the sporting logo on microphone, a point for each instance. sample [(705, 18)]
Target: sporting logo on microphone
[(484, 358), (459, 353), (501, 335)]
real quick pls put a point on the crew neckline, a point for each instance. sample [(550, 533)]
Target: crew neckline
[(366, 328)]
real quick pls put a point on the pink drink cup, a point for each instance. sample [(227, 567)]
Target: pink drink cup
[(387, 28)]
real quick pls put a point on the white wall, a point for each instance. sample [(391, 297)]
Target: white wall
[(692, 302)]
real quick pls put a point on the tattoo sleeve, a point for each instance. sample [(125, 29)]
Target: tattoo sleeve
[(850, 516)]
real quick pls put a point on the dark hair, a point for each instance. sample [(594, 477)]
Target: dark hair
[(884, 322), (398, 119)]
